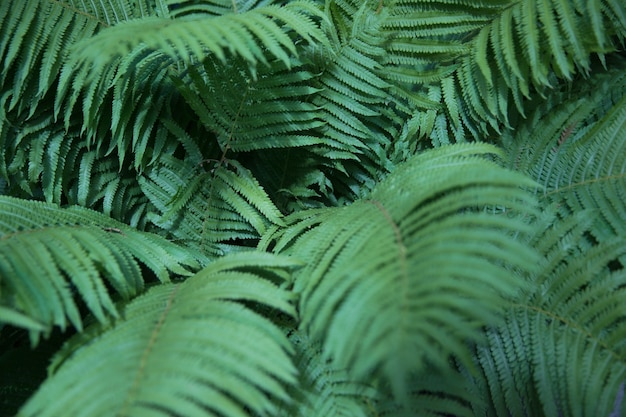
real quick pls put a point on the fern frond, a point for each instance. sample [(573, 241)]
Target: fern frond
[(113, 85), (393, 270), (49, 29), (247, 35), (209, 210), (529, 46), (271, 111), (561, 349), (578, 153), (190, 349), (52, 255), (39, 158), (322, 389)]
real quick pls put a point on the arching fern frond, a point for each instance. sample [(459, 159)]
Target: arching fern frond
[(487, 56), (113, 85), (254, 36), (50, 256), (191, 349), (50, 29), (413, 270), (527, 47)]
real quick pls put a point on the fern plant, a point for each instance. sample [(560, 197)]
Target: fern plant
[(312, 208)]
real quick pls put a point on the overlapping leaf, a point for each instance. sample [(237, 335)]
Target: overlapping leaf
[(413, 270), (191, 349), (54, 260)]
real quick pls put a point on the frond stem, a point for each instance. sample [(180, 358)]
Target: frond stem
[(80, 12), (147, 351), (584, 183), (222, 161), (573, 325)]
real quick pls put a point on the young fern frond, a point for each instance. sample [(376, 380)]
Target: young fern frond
[(376, 270), (191, 349), (51, 256)]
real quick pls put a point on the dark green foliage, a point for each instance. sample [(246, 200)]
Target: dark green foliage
[(234, 207), (239, 359), (43, 247)]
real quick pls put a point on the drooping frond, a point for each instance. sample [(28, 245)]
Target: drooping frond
[(256, 36), (526, 47), (209, 208), (561, 348), (412, 271), (50, 256), (49, 29), (39, 34), (114, 74), (191, 349)]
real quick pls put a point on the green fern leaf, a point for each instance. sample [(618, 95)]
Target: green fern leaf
[(223, 357), (210, 209), (244, 35), (272, 111), (533, 42), (50, 29), (560, 350), (322, 389), (50, 256), (377, 272), (578, 152)]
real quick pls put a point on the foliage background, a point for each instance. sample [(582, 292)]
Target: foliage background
[(309, 207)]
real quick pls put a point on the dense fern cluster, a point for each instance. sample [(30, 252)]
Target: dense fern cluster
[(312, 208)]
